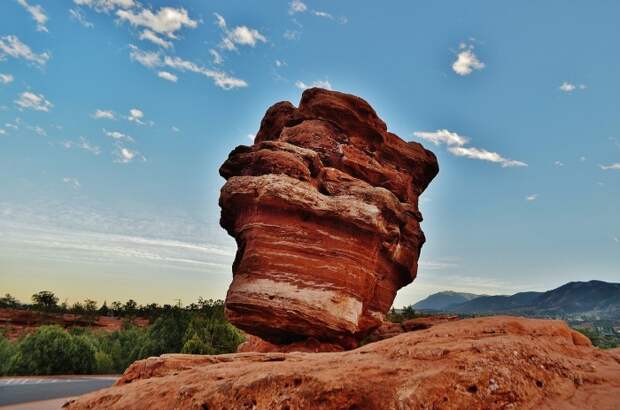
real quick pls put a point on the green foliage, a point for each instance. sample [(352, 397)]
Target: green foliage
[(45, 300), (51, 350), (405, 313), (7, 351), (600, 340), (8, 301), (200, 328)]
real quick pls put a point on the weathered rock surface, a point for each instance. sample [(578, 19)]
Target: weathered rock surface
[(484, 363), (324, 209)]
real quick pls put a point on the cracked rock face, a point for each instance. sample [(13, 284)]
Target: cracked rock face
[(324, 209)]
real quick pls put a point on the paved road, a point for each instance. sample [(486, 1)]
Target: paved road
[(28, 389)]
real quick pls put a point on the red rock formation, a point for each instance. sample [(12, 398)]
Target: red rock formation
[(484, 363), (324, 209)]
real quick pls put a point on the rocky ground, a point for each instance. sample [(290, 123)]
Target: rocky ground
[(484, 363)]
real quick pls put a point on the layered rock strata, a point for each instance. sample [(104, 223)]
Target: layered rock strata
[(324, 209)]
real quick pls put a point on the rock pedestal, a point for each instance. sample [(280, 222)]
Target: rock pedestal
[(324, 209)]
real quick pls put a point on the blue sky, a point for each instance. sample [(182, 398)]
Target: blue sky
[(116, 114)]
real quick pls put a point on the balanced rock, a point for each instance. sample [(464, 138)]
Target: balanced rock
[(324, 209)]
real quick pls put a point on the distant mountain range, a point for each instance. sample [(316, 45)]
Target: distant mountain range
[(593, 298)]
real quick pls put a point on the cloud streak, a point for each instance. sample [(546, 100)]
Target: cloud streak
[(456, 146)]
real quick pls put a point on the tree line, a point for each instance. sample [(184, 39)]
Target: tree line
[(199, 328)]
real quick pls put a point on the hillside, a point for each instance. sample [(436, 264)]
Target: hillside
[(442, 300), (594, 298)]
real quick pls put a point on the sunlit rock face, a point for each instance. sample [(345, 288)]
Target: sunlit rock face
[(324, 209)]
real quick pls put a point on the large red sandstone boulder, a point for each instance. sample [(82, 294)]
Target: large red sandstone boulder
[(485, 363), (324, 209)]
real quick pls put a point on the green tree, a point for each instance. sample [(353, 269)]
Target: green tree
[(51, 350), (8, 301), (45, 300)]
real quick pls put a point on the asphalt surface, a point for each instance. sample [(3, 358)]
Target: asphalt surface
[(28, 389)]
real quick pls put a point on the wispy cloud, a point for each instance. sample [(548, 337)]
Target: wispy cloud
[(531, 198), (456, 146), (466, 60), (154, 59), (167, 76), (118, 136), (217, 57), (240, 35), (318, 83), (167, 20), (72, 182), (291, 34), (12, 46), (558, 163), (83, 144), (37, 102), (106, 6), (77, 15), (6, 78), (104, 114), (124, 155), (297, 6), (37, 12), (153, 38), (568, 87), (615, 165), (136, 115)]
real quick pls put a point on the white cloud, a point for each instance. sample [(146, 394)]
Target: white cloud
[(220, 78), (442, 137), (167, 20), (240, 35), (37, 13), (531, 198), (322, 14), (77, 15), (12, 46), (568, 87), (84, 144), (106, 5), (118, 136), (148, 59), (582, 159), (318, 83), (72, 182), (456, 142), (153, 38), (175, 129), (251, 137), (297, 6), (167, 76), (37, 130), (151, 59), (217, 57), (558, 163), (6, 78), (610, 166), (33, 101), (280, 63), (104, 114), (136, 115), (466, 61), (125, 155), (616, 239), (484, 155), (2, 131)]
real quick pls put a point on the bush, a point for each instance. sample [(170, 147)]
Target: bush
[(7, 352), (51, 350)]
